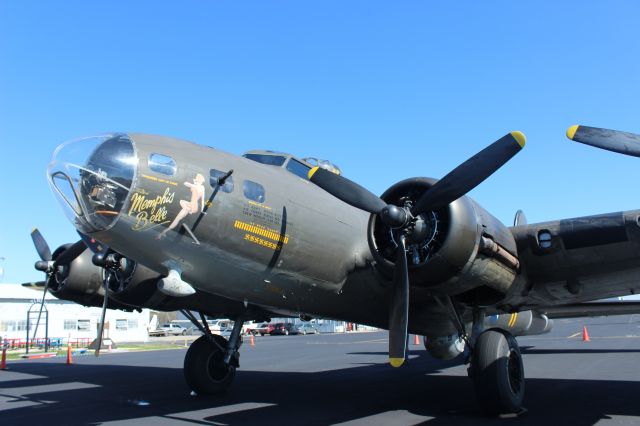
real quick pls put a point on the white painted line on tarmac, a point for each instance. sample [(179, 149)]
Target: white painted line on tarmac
[(398, 417), (349, 343), (192, 417), (57, 387), (9, 376)]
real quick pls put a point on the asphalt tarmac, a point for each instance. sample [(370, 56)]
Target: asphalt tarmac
[(334, 379)]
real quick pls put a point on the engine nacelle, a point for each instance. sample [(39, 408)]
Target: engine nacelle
[(525, 323), (445, 347), (460, 249), (81, 282)]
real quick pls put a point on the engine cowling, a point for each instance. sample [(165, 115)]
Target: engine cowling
[(460, 249), (81, 281)]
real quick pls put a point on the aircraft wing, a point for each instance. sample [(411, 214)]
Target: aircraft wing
[(593, 309), (572, 261)]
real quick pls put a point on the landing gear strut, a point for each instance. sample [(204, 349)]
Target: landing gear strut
[(211, 361), (496, 366), (497, 372)]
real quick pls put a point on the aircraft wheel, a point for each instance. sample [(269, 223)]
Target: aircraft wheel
[(204, 367), (497, 372)]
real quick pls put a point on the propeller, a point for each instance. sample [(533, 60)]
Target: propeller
[(103, 314), (399, 313), (115, 267), (611, 140), (454, 185), (52, 267)]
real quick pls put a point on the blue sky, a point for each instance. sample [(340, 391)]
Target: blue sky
[(385, 90)]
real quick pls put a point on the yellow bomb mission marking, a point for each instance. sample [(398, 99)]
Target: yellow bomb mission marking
[(263, 232)]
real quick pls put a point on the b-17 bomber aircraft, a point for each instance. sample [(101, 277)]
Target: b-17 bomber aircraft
[(170, 225)]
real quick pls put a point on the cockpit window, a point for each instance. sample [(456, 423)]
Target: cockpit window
[(297, 168), (160, 163), (271, 160), (253, 191), (214, 175)]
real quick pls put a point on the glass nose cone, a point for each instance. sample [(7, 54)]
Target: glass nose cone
[(92, 178)]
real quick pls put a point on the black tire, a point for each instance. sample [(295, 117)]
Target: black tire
[(497, 372), (184, 332), (204, 367)]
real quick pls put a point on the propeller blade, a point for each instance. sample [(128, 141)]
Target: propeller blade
[(399, 312), (44, 294), (470, 174), (41, 245), (39, 285), (102, 317), (346, 190), (71, 253), (611, 140)]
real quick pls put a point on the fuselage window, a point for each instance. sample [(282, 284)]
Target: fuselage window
[(297, 168), (270, 160), (253, 191), (162, 164), (544, 239), (214, 175)]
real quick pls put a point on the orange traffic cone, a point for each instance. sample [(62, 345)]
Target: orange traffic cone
[(252, 341), (69, 356), (3, 363), (416, 340), (585, 334)]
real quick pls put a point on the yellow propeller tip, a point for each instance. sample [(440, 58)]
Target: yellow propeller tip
[(571, 131), (396, 362), (520, 138), (312, 171)]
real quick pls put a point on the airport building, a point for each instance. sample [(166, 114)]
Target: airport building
[(64, 319)]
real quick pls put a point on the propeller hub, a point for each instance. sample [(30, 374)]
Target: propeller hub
[(44, 266), (394, 216)]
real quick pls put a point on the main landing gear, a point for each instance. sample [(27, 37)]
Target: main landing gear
[(496, 366), (497, 372), (211, 361)]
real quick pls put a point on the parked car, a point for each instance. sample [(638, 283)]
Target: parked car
[(250, 328), (283, 328), (307, 328), (173, 329), (216, 326), (226, 333), (264, 328)]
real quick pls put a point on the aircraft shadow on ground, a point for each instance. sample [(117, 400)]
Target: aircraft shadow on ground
[(534, 351), (421, 389)]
